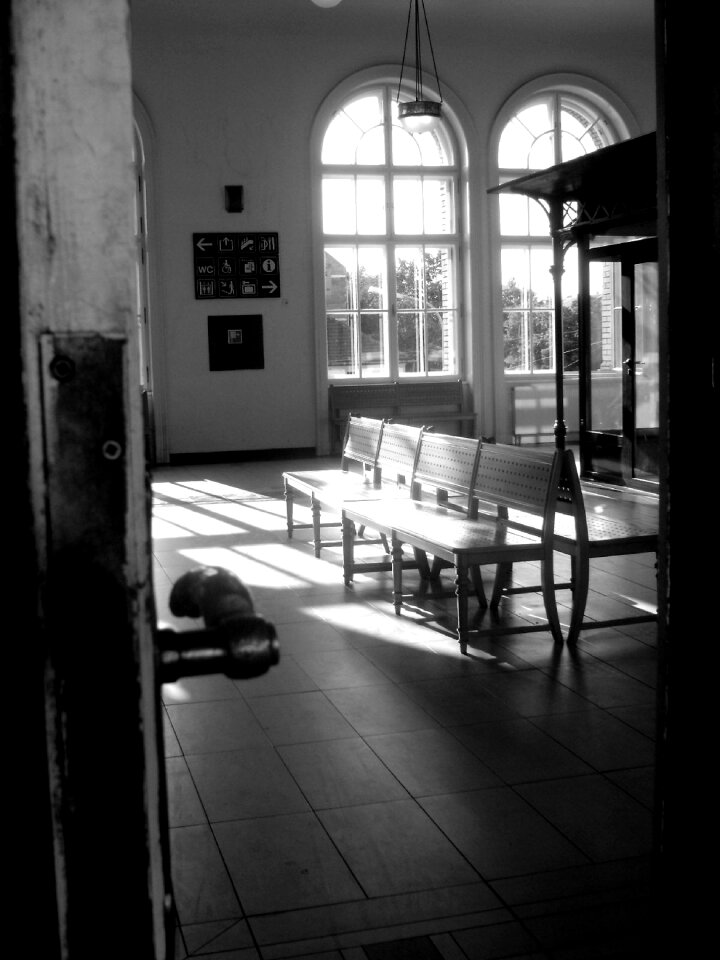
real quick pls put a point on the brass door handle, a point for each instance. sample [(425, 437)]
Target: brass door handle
[(235, 640)]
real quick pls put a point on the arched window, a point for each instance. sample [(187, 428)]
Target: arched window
[(541, 127), (390, 242)]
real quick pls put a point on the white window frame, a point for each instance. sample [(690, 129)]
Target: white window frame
[(457, 120), (622, 124)]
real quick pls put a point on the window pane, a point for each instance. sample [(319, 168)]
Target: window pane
[(440, 342), (522, 216), (341, 345), (543, 352), (340, 140), (338, 199), (409, 283), (371, 148), (515, 339), (371, 205), (405, 148), (439, 277), (409, 343), (408, 198), (372, 345), (340, 276), (372, 278), (438, 206)]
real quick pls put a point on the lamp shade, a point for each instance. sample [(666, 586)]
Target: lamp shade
[(417, 116), (326, 3)]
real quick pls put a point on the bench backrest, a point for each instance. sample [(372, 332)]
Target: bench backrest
[(362, 441), (516, 479), (399, 444), (447, 465)]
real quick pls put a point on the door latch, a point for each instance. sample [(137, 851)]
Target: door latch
[(235, 640)]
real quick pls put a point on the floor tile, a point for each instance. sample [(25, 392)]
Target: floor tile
[(184, 806), (299, 718), (518, 751), (247, 783), (215, 726), (458, 701), (394, 847), (500, 833), (331, 669), (431, 761), (283, 863), (380, 709), (287, 676), (201, 884), (599, 818), (338, 773), (601, 740)]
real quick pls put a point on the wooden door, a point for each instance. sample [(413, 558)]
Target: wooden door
[(92, 857)]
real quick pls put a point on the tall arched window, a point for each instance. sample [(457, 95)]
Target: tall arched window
[(553, 124), (390, 237)]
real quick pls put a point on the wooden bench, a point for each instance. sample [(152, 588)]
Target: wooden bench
[(588, 525), (425, 403), (467, 539), (443, 474), (383, 457)]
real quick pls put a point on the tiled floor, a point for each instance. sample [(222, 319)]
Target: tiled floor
[(376, 795)]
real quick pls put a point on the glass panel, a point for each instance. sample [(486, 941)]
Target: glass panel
[(543, 348), (408, 209), (340, 278), (371, 148), (519, 135), (405, 148), (522, 216), (527, 286), (647, 407), (340, 140), (440, 277), (438, 206), (514, 334), (409, 277), (371, 205), (440, 342), (373, 346), (342, 345), (345, 132), (372, 278), (409, 343), (338, 200), (605, 346), (542, 153)]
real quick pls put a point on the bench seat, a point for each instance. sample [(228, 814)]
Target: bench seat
[(466, 540)]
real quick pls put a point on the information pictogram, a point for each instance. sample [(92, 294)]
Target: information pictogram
[(236, 265)]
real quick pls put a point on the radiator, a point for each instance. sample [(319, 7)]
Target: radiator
[(534, 411)]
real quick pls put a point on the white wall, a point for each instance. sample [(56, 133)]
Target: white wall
[(231, 90)]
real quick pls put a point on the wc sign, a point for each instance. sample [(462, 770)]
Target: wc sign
[(236, 266)]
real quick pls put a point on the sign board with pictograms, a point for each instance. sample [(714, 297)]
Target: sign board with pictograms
[(236, 266)]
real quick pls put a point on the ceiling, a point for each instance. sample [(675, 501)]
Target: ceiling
[(597, 16)]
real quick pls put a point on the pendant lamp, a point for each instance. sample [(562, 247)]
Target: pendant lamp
[(419, 114)]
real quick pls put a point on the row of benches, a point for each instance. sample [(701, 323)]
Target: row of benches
[(460, 503)]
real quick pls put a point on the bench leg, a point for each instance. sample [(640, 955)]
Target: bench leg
[(503, 575), (580, 566), (461, 597), (348, 545), (397, 570), (478, 585), (547, 577), (315, 510), (289, 508)]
